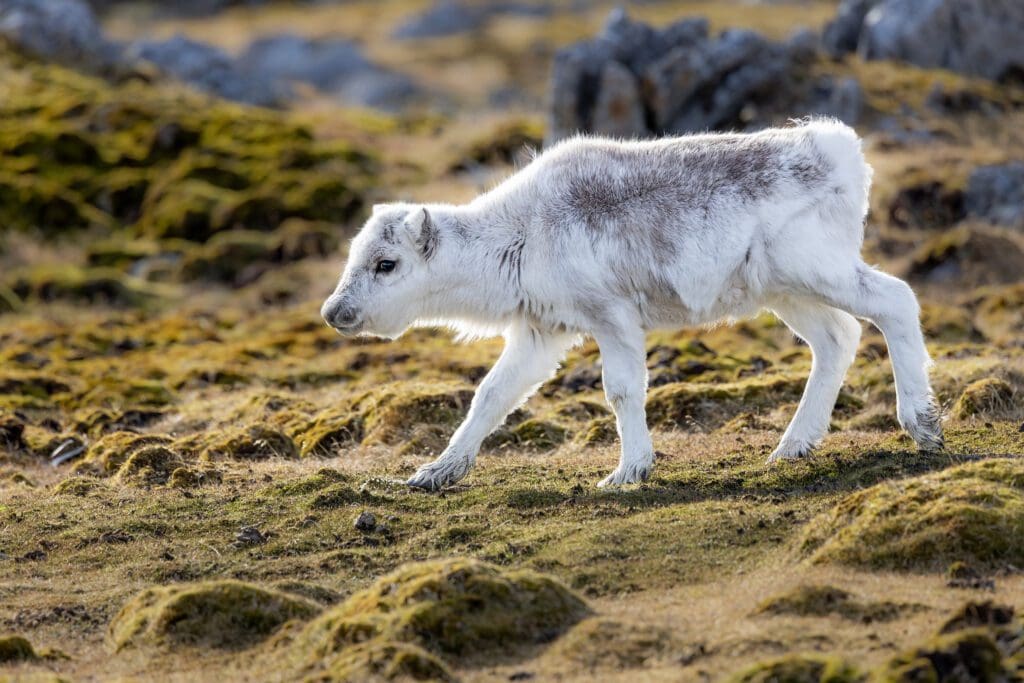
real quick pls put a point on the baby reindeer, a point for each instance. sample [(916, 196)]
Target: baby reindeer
[(609, 239)]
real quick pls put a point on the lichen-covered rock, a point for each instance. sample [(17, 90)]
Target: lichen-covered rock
[(800, 669), (216, 614), (972, 513), (453, 607)]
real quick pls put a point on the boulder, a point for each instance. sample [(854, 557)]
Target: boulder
[(979, 38), (64, 31), (207, 68), (633, 80), (322, 63)]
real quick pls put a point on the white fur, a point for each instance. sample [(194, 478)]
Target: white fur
[(610, 239)]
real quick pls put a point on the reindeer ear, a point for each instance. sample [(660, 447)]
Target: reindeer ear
[(422, 231)]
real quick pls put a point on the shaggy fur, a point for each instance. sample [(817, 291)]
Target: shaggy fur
[(610, 239)]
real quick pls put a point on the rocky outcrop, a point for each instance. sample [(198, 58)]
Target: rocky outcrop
[(207, 68), (633, 80), (67, 32), (63, 31), (979, 38), (333, 66)]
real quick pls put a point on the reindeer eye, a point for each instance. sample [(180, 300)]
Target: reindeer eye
[(385, 266)]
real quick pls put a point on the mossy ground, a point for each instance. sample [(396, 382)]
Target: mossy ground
[(160, 319)]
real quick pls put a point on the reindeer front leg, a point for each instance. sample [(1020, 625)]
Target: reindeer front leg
[(529, 359)]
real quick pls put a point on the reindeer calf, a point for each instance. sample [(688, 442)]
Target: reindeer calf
[(610, 239)]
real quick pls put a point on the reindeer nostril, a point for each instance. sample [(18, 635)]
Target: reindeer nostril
[(339, 313)]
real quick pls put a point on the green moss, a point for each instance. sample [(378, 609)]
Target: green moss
[(948, 324), (986, 398), (391, 413), (970, 655), (507, 143), (99, 285), (323, 478), (330, 432), (77, 486), (149, 465), (109, 453), (711, 405), (539, 434), (1000, 312), (800, 669), (253, 443), (216, 614), (77, 152), (603, 643), (311, 591), (985, 614), (383, 661), (15, 649), (973, 255), (971, 513), (599, 431), (822, 601), (453, 607), (189, 478)]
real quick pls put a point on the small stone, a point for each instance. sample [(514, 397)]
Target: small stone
[(249, 535), (366, 521)]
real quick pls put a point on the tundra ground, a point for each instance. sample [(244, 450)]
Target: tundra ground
[(235, 511)]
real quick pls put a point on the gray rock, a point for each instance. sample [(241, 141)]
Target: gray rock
[(366, 521), (451, 17), (380, 89), (975, 37), (207, 68), (618, 111), (323, 63), (249, 535), (573, 90), (842, 34), (707, 85), (843, 100), (802, 44), (444, 18), (996, 194), (64, 31), (633, 80)]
